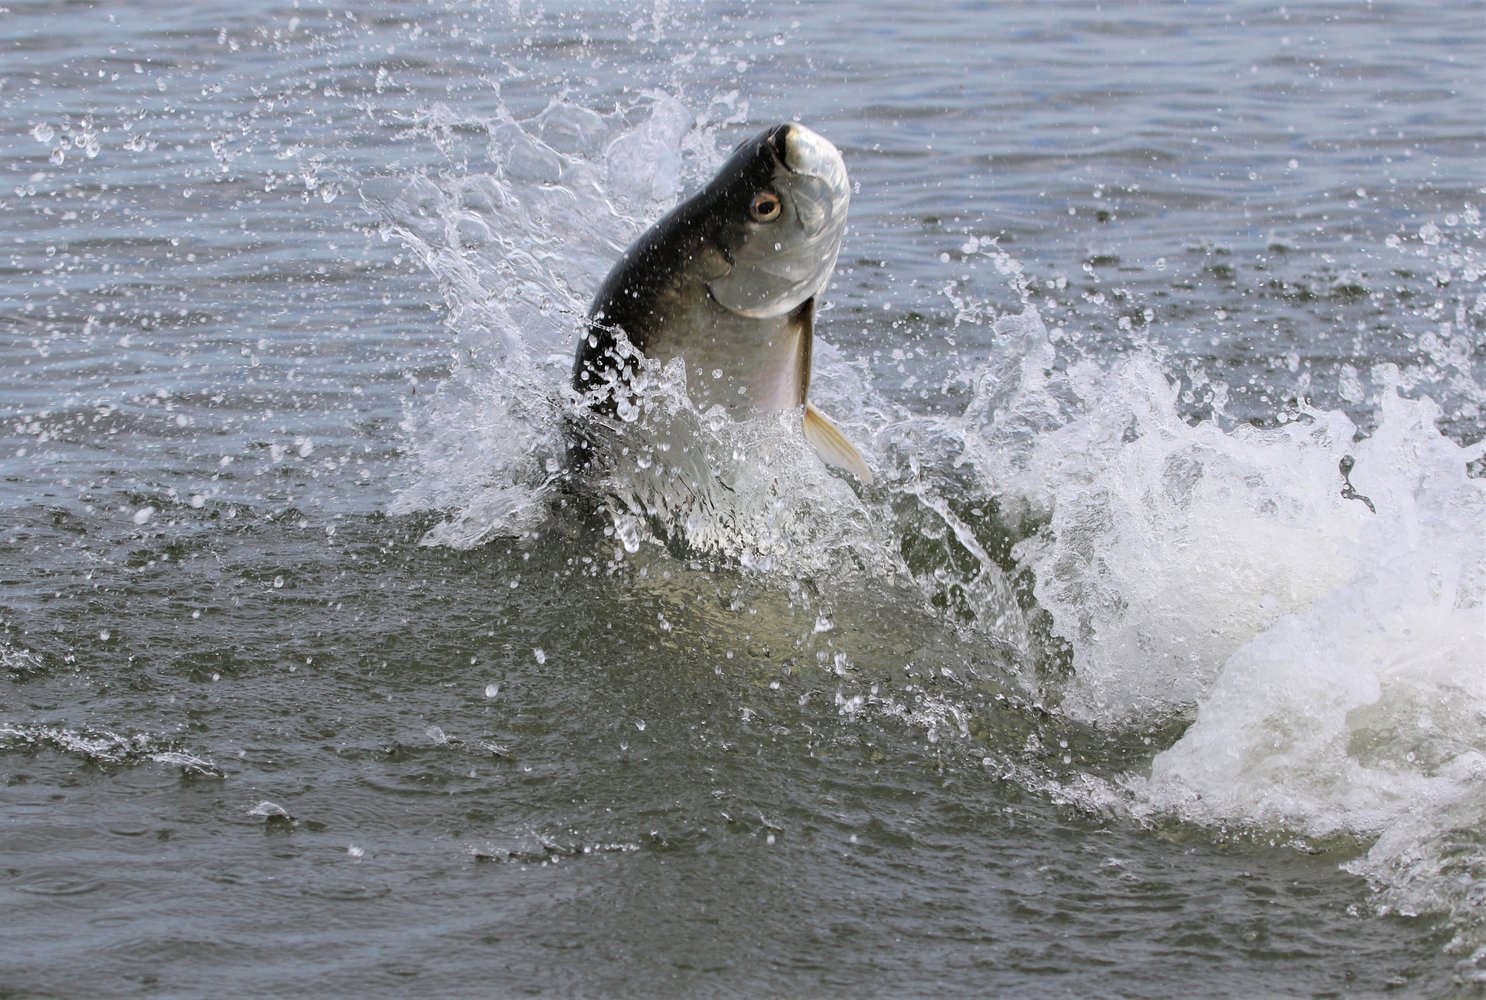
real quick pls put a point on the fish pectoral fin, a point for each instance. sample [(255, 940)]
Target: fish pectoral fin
[(831, 445)]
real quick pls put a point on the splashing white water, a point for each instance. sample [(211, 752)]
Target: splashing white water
[(518, 239), (1328, 641), (1330, 655), (1363, 709), (105, 748)]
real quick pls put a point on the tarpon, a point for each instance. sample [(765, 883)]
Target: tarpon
[(728, 282)]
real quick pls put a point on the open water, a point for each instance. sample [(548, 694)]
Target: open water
[(312, 681)]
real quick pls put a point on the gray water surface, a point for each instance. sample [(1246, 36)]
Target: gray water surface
[(255, 739)]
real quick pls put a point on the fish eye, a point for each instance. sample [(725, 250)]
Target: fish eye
[(764, 207)]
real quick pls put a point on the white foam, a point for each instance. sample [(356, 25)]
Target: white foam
[(1363, 711), (1332, 658)]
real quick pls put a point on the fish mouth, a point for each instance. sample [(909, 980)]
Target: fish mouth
[(803, 151), (779, 145)]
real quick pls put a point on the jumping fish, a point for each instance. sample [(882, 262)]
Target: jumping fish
[(728, 282)]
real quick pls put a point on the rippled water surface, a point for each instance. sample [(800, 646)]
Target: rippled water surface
[(312, 681)]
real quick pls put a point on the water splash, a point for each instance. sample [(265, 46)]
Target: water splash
[(1319, 658), (518, 231), (104, 749), (1305, 601), (751, 493)]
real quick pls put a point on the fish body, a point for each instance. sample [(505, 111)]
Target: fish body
[(728, 282)]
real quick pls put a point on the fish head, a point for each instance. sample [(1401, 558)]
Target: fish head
[(778, 212)]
